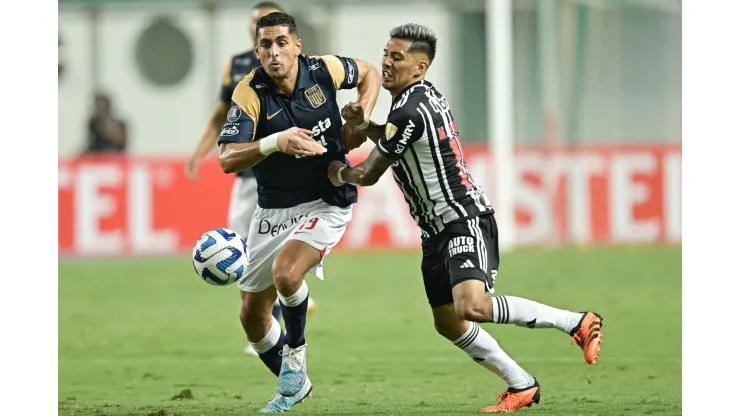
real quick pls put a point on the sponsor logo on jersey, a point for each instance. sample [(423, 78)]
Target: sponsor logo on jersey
[(230, 131), (351, 74), (405, 137)]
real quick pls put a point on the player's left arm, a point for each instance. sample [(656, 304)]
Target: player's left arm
[(401, 131), (349, 73), (366, 173)]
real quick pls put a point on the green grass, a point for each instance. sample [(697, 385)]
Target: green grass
[(133, 334)]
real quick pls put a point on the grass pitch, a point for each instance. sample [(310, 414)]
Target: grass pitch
[(147, 337)]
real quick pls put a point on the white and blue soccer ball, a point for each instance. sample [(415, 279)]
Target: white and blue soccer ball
[(220, 257)]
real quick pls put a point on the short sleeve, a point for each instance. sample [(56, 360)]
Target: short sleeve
[(400, 132), (344, 71), (243, 116)]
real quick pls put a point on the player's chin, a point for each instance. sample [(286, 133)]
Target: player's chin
[(387, 84)]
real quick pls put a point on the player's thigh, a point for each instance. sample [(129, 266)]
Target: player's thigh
[(472, 254), (314, 238), (434, 272), (323, 227)]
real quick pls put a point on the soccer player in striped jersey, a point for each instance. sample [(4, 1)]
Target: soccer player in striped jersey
[(459, 234)]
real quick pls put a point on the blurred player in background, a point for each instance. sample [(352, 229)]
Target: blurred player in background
[(459, 234), (244, 191), (285, 124)]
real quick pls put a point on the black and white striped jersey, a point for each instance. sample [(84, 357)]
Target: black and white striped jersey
[(428, 163)]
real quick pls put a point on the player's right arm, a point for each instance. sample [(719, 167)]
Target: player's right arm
[(240, 149)]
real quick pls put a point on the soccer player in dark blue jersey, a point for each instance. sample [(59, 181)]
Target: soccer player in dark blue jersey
[(284, 124), (244, 191)]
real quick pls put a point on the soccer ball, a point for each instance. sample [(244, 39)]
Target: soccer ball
[(220, 257)]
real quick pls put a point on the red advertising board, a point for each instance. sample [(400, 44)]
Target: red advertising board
[(602, 195)]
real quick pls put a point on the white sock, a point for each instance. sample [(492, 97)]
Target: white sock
[(484, 350), (270, 340), (296, 298), (524, 312)]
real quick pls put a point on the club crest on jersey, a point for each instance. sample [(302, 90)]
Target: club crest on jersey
[(315, 96), (390, 130), (234, 113)]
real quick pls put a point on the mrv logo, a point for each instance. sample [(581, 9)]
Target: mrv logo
[(405, 137), (266, 227), (461, 245)]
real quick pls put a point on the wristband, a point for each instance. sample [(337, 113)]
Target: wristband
[(364, 125), (339, 174), (269, 145)]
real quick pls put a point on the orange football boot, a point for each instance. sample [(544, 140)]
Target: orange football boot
[(512, 400), (587, 334)]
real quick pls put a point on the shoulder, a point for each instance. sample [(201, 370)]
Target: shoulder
[(246, 94)]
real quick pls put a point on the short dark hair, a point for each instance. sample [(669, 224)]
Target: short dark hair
[(268, 5), (422, 38), (276, 19)]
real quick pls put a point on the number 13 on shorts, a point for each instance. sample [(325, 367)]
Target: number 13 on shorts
[(309, 224)]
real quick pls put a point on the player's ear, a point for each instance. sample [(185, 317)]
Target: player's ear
[(421, 68), (298, 46)]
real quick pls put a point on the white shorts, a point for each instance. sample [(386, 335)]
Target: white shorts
[(316, 223), (242, 205)]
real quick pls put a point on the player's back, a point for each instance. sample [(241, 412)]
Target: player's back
[(284, 180), (429, 166)]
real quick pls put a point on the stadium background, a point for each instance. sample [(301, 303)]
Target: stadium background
[(597, 171)]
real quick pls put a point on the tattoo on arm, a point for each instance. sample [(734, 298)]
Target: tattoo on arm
[(369, 171)]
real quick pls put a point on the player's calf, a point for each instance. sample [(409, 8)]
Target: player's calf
[(264, 332), (480, 346)]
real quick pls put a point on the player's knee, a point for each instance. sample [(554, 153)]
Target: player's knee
[(287, 282), (470, 310)]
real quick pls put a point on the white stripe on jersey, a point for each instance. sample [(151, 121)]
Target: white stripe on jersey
[(434, 142), (417, 158)]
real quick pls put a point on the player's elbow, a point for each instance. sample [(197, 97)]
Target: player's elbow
[(227, 162)]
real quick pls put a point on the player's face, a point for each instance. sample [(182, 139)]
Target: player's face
[(399, 67), (255, 16), (277, 49)]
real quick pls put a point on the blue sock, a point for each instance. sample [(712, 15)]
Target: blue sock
[(295, 310), (270, 346), (276, 311)]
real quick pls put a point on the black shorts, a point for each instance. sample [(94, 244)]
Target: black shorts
[(464, 250)]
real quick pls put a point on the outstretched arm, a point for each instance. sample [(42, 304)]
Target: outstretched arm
[(366, 173)]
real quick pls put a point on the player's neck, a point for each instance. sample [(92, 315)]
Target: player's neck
[(287, 85), (398, 92)]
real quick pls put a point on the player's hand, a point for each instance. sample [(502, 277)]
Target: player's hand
[(332, 173), (353, 114), (298, 141), (352, 137), (191, 168)]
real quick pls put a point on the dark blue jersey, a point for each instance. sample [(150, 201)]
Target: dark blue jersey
[(259, 109), (236, 69)]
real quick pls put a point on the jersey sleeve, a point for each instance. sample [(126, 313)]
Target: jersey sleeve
[(401, 131), (243, 116), (344, 71), (227, 84)]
